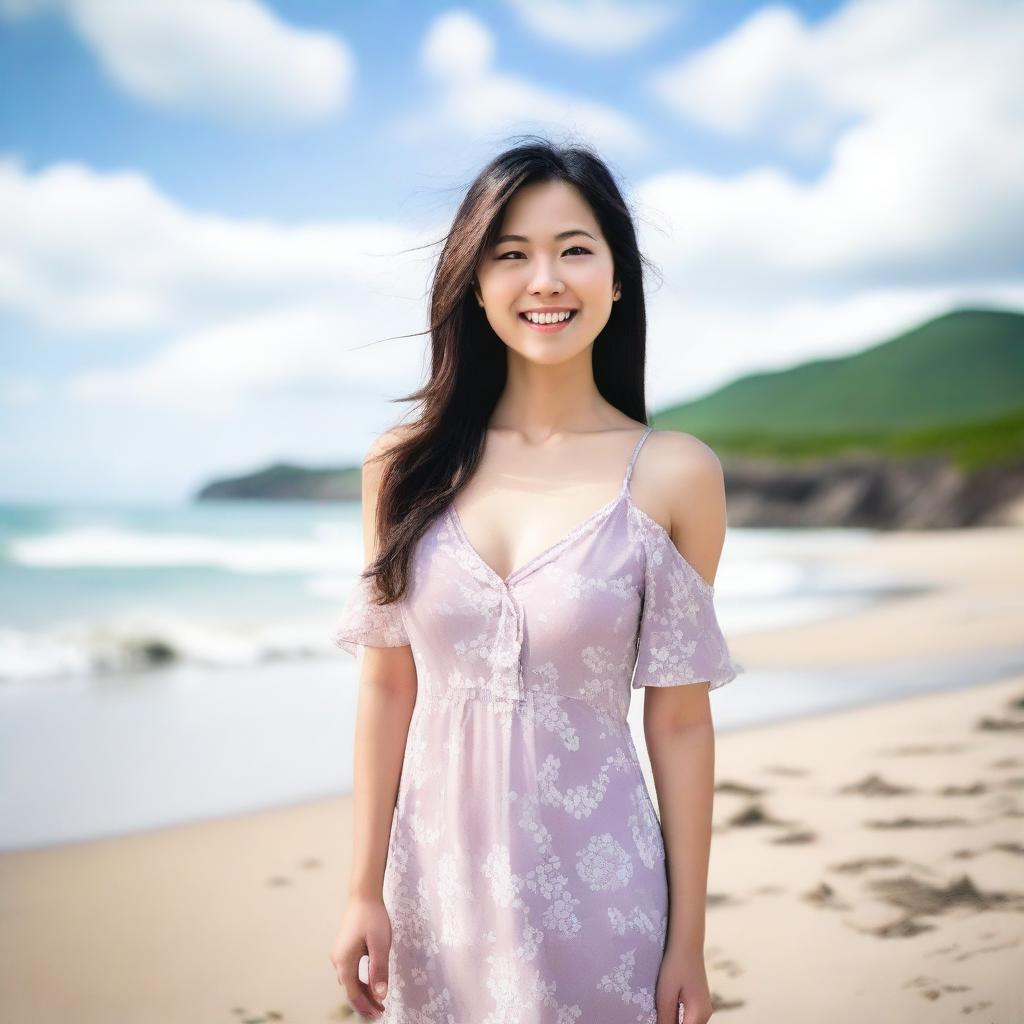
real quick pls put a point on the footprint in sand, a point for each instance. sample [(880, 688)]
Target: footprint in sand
[(755, 815), (785, 770), (975, 1007), (796, 838), (728, 967), (932, 988), (720, 899), (918, 897), (1014, 848), (908, 822), (1007, 762), (999, 724), (973, 789), (823, 895), (856, 867), (875, 785), (924, 749), (905, 927), (308, 864), (739, 789), (725, 899), (718, 1003)]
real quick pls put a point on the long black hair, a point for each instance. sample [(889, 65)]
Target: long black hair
[(438, 452)]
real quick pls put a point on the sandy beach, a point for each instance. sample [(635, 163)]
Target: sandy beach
[(867, 864)]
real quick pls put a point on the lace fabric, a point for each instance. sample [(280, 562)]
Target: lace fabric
[(364, 623)]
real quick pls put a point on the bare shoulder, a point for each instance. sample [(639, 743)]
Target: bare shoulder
[(678, 457), (379, 448), (685, 485)]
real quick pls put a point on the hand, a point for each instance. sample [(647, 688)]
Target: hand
[(365, 929), (682, 979)]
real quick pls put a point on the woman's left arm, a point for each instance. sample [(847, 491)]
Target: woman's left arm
[(680, 737), (682, 754)]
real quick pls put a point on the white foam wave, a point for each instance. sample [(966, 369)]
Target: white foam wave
[(138, 642), (112, 547)]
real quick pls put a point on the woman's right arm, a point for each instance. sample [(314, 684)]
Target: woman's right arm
[(387, 695)]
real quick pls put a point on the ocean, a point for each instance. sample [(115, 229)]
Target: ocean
[(164, 664)]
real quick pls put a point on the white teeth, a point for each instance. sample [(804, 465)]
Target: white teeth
[(548, 318)]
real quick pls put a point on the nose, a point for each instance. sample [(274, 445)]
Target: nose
[(545, 281)]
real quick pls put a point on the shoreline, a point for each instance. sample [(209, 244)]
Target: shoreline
[(257, 736), (970, 599)]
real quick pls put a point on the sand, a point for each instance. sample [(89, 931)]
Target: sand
[(866, 865)]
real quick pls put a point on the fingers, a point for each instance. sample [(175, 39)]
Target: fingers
[(357, 991), (378, 970), (670, 1011)]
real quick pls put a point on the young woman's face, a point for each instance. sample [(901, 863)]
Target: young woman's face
[(539, 270)]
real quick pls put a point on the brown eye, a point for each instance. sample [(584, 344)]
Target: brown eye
[(577, 248)]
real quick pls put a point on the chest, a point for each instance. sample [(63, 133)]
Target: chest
[(512, 532), (570, 611)]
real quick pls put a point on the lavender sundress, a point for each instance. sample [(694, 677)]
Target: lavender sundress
[(526, 879)]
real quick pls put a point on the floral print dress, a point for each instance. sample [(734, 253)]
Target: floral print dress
[(526, 878)]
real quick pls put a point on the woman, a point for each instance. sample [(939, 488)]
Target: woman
[(521, 574)]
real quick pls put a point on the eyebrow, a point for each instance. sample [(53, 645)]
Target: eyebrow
[(558, 237)]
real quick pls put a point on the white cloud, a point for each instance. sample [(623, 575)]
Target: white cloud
[(755, 79), (595, 27), (84, 252), (925, 190), (458, 48), (233, 60), (476, 100), (778, 79), (295, 353)]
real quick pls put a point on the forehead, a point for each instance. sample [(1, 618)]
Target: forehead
[(539, 210)]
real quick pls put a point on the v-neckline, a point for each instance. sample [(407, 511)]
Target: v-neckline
[(506, 581), (552, 549)]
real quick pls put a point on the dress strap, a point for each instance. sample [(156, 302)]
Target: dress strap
[(632, 458)]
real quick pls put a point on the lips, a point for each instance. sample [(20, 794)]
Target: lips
[(551, 328), (569, 319)]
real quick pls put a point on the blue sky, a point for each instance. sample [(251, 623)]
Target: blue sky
[(204, 203)]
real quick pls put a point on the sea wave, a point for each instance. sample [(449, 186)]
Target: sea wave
[(137, 643), (99, 546)]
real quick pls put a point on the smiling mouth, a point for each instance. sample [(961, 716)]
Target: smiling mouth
[(553, 326)]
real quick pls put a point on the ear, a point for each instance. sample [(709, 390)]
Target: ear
[(476, 292)]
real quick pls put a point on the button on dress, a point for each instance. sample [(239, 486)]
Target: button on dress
[(526, 878)]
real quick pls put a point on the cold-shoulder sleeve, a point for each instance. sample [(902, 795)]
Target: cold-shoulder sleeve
[(364, 623), (679, 639)]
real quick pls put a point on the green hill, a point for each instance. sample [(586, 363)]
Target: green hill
[(954, 385), (284, 481)]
